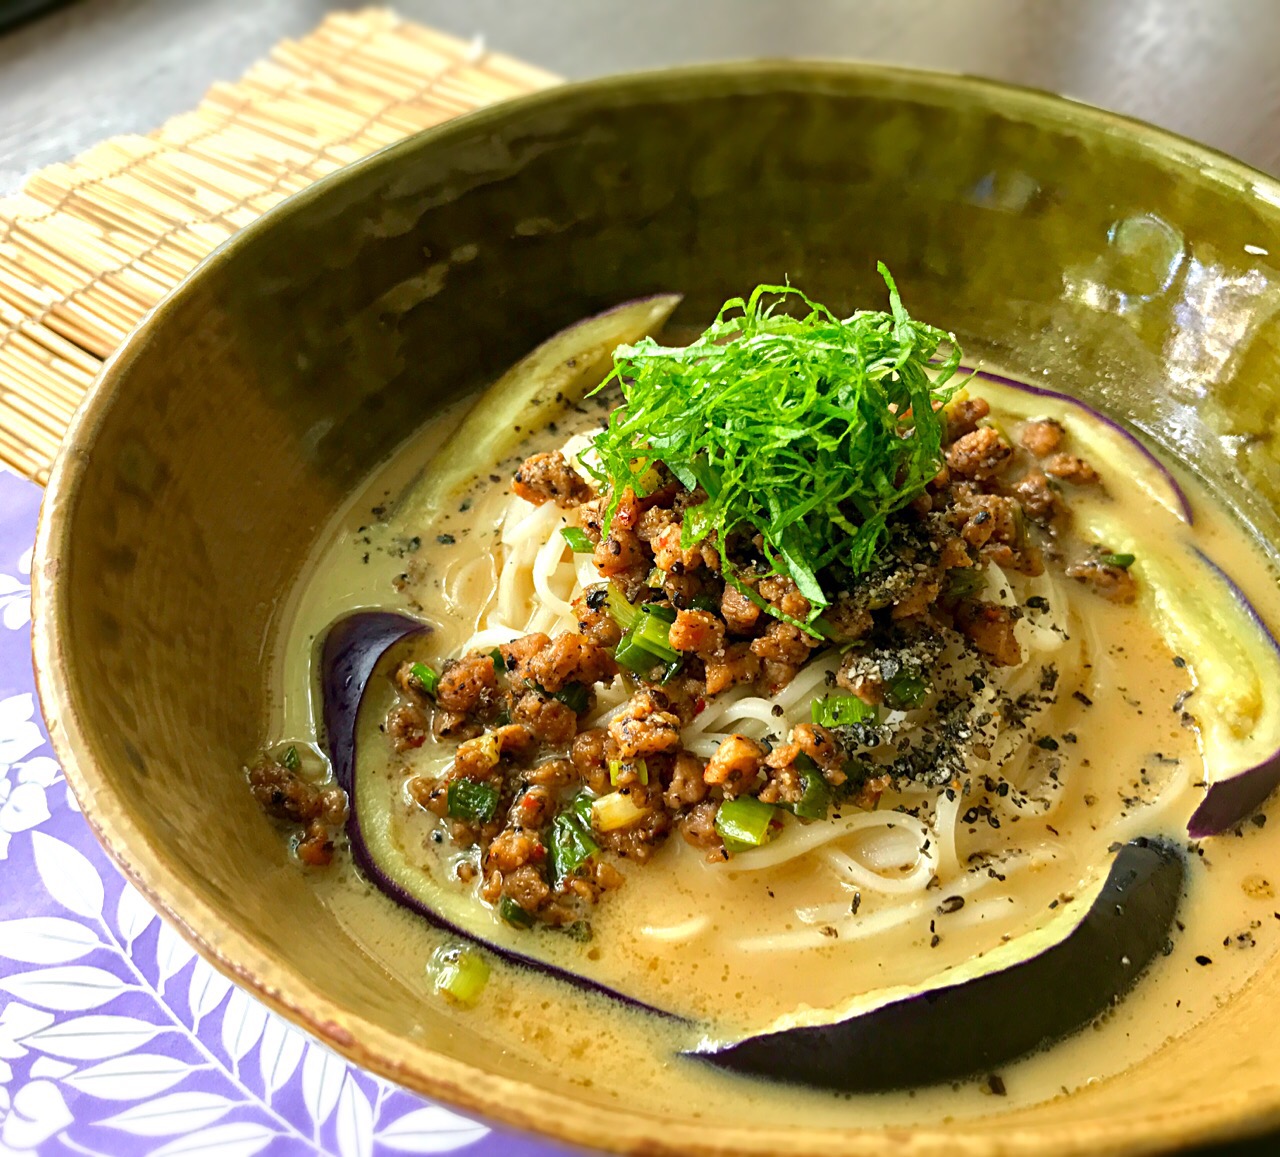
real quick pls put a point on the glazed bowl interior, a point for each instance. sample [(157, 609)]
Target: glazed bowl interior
[(1059, 243)]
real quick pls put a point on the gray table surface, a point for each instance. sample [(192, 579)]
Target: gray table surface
[(1205, 68)]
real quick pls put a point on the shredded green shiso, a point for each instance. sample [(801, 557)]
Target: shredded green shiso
[(808, 430)]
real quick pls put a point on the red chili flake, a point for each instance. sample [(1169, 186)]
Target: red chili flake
[(699, 706)]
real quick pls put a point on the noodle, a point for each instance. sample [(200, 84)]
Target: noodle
[(898, 854)]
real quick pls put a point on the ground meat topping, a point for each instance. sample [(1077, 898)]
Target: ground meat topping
[(320, 808), (644, 727), (736, 762), (700, 632), (570, 659), (407, 725), (549, 478), (991, 628), (718, 616), (464, 682), (1069, 468), (551, 721), (980, 454), (1111, 582), (963, 416), (1043, 437)]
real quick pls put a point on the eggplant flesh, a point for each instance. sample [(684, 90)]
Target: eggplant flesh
[(1100, 437), (1235, 791), (995, 1009), (557, 374), (1024, 994), (1203, 614), (1207, 620), (353, 651)]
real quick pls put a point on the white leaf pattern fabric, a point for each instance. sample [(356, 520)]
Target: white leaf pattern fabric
[(208, 989), (280, 1053), (46, 940), (355, 1121), (237, 1139), (115, 1039), (172, 1113), (133, 1077), (71, 988), (242, 1024), (92, 1038), (37, 1112), (133, 914), (68, 875), (433, 1129), (322, 1077)]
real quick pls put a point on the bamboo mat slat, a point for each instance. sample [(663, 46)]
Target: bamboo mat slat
[(90, 245)]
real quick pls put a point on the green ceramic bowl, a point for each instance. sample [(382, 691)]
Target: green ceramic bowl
[(1118, 262)]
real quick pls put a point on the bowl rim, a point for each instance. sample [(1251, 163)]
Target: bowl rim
[(511, 1101)]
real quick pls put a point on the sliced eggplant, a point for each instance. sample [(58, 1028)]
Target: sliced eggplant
[(529, 395), (988, 1011), (1101, 438), (1207, 620), (353, 651), (1242, 766)]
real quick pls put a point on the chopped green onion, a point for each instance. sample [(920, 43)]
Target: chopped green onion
[(657, 576), (580, 806), (745, 823), (1123, 561), (291, 759), (704, 603), (961, 582), (569, 847), (473, 801), (499, 660), (458, 973), (815, 796), (671, 670), (653, 632), (574, 695), (634, 657), (513, 914), (425, 677), (905, 691), (841, 711), (618, 766), (621, 611), (616, 810), (647, 641), (577, 539)]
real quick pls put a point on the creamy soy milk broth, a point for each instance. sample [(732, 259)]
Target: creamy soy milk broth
[(722, 945)]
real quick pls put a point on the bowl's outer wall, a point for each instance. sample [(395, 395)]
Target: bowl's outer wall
[(231, 427)]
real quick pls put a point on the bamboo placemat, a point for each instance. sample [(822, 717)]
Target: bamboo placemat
[(89, 246)]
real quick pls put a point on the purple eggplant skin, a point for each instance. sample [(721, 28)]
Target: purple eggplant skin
[(1229, 802), (352, 650), (1067, 399), (972, 1028)]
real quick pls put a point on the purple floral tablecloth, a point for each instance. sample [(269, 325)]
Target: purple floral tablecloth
[(115, 1038)]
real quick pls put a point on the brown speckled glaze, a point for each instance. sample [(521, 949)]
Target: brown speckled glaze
[(1126, 265)]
